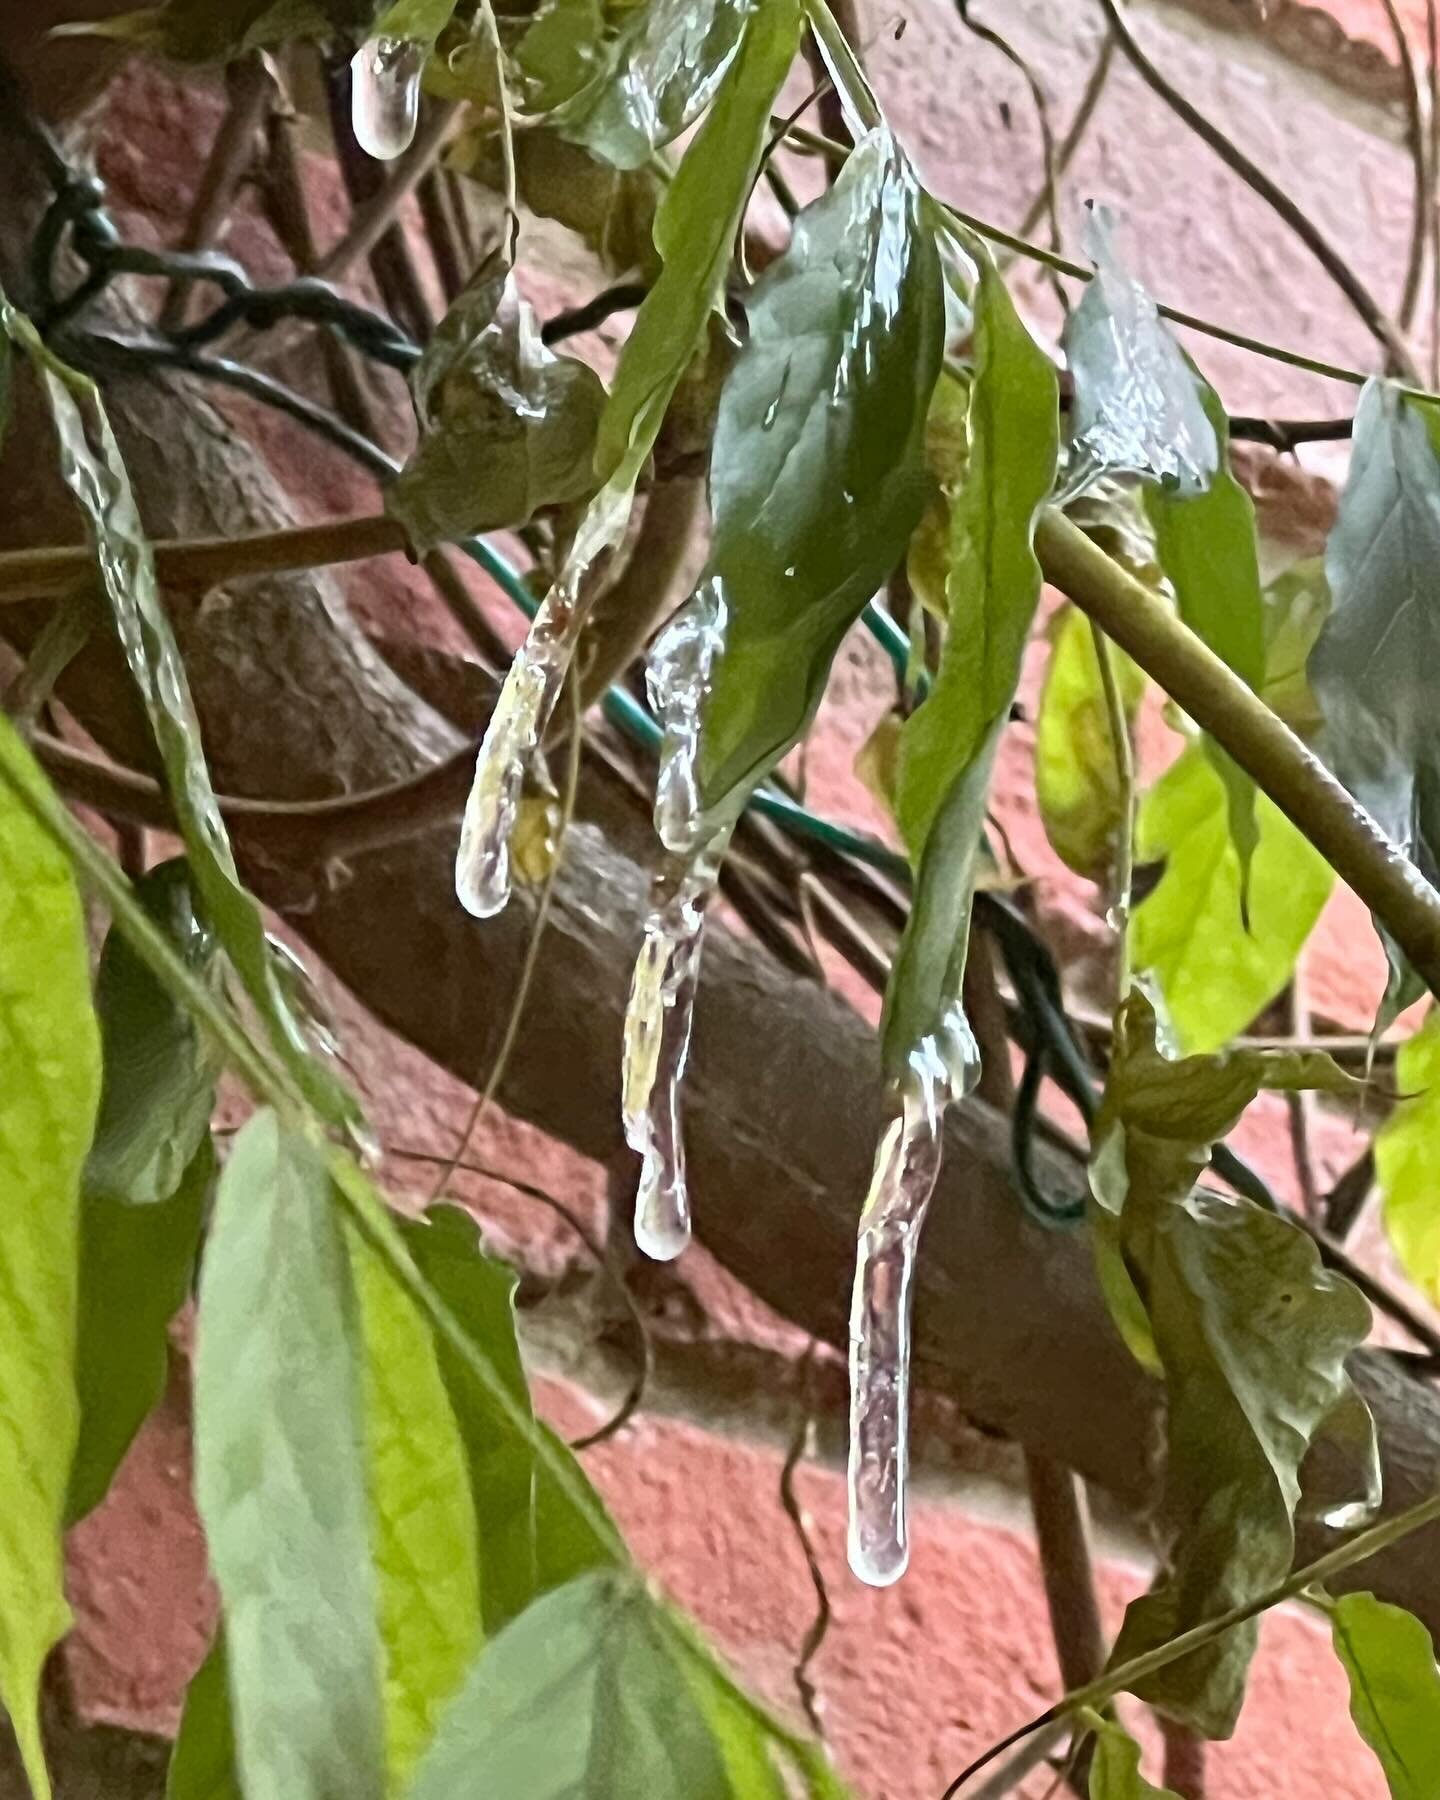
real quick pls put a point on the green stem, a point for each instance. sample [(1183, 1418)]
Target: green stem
[(1124, 752)]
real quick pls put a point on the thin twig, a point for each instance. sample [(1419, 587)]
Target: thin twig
[(1184, 1760), (1079, 125), (375, 216), (1298, 1108), (801, 1446), (1418, 132), (1346, 1200)]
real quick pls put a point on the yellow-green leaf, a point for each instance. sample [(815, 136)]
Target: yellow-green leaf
[(1115, 1769), (1394, 1690), (1407, 1157)]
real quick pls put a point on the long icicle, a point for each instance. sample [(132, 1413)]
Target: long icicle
[(907, 1166)]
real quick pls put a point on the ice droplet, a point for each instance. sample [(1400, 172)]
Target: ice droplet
[(907, 1165), (385, 95)]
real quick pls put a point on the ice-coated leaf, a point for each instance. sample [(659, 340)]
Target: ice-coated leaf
[(94, 471), (136, 1268), (1077, 779), (1115, 1767), (817, 475), (202, 1764), (159, 1084), (1213, 971), (49, 1089), (695, 232), (1407, 1156), (1389, 1659), (1206, 546), (583, 1697), (220, 30), (1136, 408), (948, 746), (422, 1523), (280, 1476), (506, 426), (1251, 1333)]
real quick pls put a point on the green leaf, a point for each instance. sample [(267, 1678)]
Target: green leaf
[(220, 30), (530, 1536), (202, 1764), (159, 1086), (136, 1268), (1206, 545), (584, 1695), (1297, 604), (1077, 779), (658, 75), (506, 426), (1407, 1149), (94, 471), (1211, 975), (695, 231), (1136, 407), (1250, 1330), (1115, 1768), (422, 1523), (419, 21), (817, 475), (280, 1476), (562, 52), (49, 1089), (1394, 1689), (948, 747)]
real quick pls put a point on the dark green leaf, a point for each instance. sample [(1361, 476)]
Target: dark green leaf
[(817, 476), (1250, 1331), (136, 1268), (948, 748), (95, 473), (280, 1476), (419, 21), (506, 426), (1394, 1689), (1407, 1155), (562, 52), (1136, 407), (159, 1086), (584, 1695), (1115, 1769), (202, 1764), (49, 1088), (219, 30)]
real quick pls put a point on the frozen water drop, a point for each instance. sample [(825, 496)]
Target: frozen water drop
[(385, 95)]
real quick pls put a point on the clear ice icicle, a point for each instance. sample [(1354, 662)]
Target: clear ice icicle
[(385, 95), (677, 679), (907, 1164)]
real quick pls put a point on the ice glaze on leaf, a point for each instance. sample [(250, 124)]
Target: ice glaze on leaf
[(506, 426), (948, 746), (1251, 1333), (280, 1476), (49, 1088), (1389, 1659), (1136, 408), (817, 475)]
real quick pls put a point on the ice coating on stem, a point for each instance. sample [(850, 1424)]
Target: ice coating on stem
[(385, 95), (677, 680), (907, 1165)]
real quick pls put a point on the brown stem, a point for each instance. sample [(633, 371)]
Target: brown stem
[(1184, 1760)]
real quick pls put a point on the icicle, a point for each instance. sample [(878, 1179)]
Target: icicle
[(677, 680), (907, 1164), (385, 95)]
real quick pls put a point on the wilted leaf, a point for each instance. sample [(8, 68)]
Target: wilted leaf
[(817, 476), (506, 426), (136, 1267), (584, 1694), (1136, 407), (1077, 779), (877, 762), (1407, 1156), (159, 1084), (1115, 1768), (280, 1476), (220, 30), (1212, 973), (947, 455), (202, 1764), (948, 747), (1394, 1689), (1250, 1330), (49, 1087)]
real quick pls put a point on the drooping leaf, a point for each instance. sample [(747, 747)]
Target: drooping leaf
[(506, 426), (948, 746), (280, 1476), (136, 1268), (220, 30), (1407, 1154), (94, 471), (947, 455), (422, 1522), (1211, 971), (695, 232), (1370, 666), (159, 1085), (1136, 407), (1394, 1689), (582, 1696), (49, 1089), (817, 475), (1206, 545), (1250, 1331), (1077, 779), (1115, 1767), (202, 1764)]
